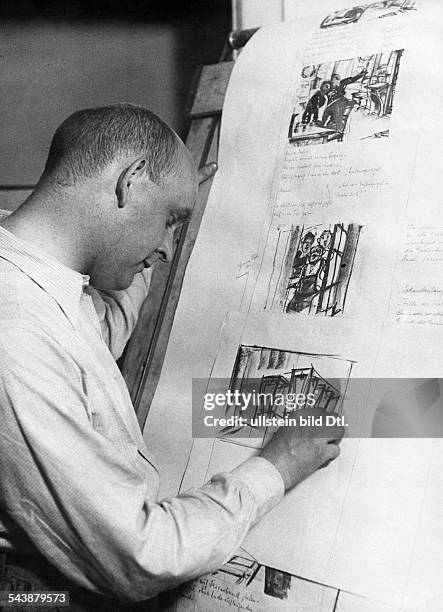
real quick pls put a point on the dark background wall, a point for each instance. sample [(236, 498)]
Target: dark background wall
[(57, 56)]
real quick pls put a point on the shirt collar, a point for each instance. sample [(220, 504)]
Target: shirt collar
[(60, 282)]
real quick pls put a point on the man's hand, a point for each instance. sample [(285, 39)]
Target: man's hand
[(207, 172), (297, 452)]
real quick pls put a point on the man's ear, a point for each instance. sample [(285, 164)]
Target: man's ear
[(126, 178)]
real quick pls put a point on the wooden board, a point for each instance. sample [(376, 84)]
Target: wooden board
[(209, 89)]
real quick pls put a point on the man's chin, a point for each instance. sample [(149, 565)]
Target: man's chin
[(119, 284)]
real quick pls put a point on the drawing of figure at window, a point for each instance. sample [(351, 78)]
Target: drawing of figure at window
[(307, 279), (312, 268), (338, 85), (306, 286), (357, 97), (340, 104)]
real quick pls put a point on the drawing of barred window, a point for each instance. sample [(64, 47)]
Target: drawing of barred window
[(312, 269)]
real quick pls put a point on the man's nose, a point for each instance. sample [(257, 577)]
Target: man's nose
[(166, 249)]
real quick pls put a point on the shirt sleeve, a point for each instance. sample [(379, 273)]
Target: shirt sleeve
[(118, 311), (90, 506)]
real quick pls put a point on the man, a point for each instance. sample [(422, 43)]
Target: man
[(338, 85), (308, 285), (316, 102), (336, 115), (325, 239), (302, 255), (78, 487)]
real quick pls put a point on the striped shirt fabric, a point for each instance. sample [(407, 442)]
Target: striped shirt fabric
[(77, 482)]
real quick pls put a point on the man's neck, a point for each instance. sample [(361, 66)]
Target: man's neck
[(51, 226)]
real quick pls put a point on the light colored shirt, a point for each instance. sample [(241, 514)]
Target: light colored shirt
[(75, 476)]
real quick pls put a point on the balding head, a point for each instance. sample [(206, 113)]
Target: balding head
[(117, 183), (91, 139)]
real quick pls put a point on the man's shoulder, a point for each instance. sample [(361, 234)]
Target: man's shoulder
[(33, 327), (27, 341), (31, 357), (21, 299)]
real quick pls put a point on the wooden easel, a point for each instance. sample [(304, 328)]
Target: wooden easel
[(143, 358)]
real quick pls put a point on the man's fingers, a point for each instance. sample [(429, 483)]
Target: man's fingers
[(319, 428), (206, 172)]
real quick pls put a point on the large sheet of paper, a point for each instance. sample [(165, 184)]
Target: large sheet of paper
[(322, 249)]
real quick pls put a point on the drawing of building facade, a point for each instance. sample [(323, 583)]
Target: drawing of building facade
[(299, 382), (274, 378)]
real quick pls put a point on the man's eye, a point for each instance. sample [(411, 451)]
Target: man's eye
[(176, 221), (172, 221), (178, 218)]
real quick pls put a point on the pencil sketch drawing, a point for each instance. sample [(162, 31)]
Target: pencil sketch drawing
[(274, 379), (240, 569), (277, 583), (367, 12), (245, 585), (312, 267), (345, 100)]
